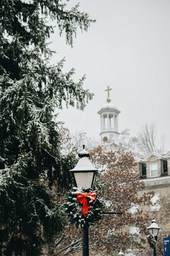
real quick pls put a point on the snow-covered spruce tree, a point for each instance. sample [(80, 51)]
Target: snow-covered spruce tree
[(30, 142)]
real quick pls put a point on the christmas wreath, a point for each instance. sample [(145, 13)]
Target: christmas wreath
[(83, 207)]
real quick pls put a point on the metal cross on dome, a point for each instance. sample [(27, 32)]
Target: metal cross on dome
[(108, 93)]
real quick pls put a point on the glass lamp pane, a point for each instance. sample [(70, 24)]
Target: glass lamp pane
[(154, 231), (154, 228), (84, 179)]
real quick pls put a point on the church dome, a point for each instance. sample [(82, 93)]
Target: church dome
[(108, 108), (109, 122)]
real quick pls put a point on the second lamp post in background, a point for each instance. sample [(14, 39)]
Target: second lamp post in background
[(153, 231)]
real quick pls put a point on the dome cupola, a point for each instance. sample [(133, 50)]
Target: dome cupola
[(109, 121)]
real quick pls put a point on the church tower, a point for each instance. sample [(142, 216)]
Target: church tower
[(109, 122)]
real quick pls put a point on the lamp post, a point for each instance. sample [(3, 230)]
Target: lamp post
[(84, 174), (153, 231)]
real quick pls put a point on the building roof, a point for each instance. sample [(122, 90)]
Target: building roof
[(108, 108)]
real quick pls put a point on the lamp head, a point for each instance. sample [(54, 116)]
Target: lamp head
[(154, 228), (84, 172)]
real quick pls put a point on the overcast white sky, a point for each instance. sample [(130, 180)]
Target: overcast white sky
[(128, 48)]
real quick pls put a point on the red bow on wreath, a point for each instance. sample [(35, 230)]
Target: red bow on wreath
[(83, 198)]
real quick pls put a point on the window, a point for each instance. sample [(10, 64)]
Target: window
[(154, 169), (164, 168), (111, 127), (105, 139), (143, 170)]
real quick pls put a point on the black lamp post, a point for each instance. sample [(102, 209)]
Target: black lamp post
[(153, 231), (84, 174)]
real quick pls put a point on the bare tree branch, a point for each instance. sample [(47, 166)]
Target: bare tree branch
[(148, 141)]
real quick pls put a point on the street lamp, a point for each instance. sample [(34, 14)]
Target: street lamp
[(84, 174), (153, 231)]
